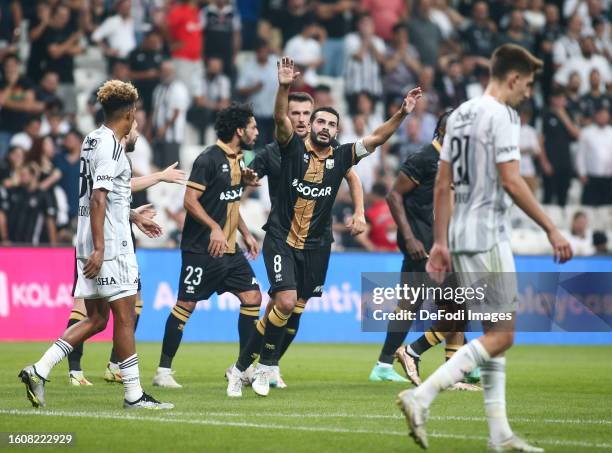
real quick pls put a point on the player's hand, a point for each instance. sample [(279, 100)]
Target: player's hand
[(146, 210), (252, 246), (250, 177), (411, 99), (416, 249), (94, 264), (439, 263), (173, 175), (147, 226), (561, 247), (357, 224), (217, 244), (286, 73)]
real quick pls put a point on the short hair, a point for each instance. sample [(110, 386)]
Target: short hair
[(116, 96), (236, 116), (440, 129), (399, 26), (578, 214), (260, 43), (300, 96), (323, 87), (511, 57), (379, 188), (331, 110)]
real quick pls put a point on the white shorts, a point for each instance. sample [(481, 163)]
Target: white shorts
[(118, 278), (494, 268)]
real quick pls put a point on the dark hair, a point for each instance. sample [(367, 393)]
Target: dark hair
[(325, 109), (36, 151), (10, 56), (74, 131), (599, 238), (300, 96), (399, 26), (323, 87), (557, 91), (260, 43), (379, 189), (440, 129), (510, 57), (236, 116), (32, 119)]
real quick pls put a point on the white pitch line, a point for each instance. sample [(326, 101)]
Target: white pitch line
[(190, 421)]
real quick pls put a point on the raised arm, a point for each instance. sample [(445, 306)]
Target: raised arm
[(383, 132), (286, 76)]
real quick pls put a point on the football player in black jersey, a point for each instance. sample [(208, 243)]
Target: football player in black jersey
[(297, 244), (212, 261)]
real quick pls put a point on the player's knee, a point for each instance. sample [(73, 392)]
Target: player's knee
[(189, 306), (285, 302), (251, 298), (98, 322)]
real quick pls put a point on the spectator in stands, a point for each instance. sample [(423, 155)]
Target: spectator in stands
[(62, 41), (366, 170), (479, 36), (214, 95), (31, 132), (249, 11), (47, 91), (364, 52), (603, 43), (412, 141), (40, 158), (426, 82), (567, 46), (600, 243), (530, 148), (402, 65), (558, 131), (545, 41), (17, 102), (517, 32), (144, 63), (425, 34), (383, 231), (222, 33), (10, 167), (10, 27), (594, 160), (184, 30), (580, 237), (38, 27), (573, 98), (116, 35), (332, 16), (535, 16), (323, 96), (305, 50), (427, 121), (385, 14), (293, 17), (594, 99), (446, 18), (452, 85), (170, 103), (68, 162), (257, 82), (54, 123), (119, 71), (583, 65)]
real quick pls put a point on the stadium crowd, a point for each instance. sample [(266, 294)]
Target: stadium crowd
[(189, 58)]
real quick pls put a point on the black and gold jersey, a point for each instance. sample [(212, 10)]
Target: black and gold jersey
[(308, 185), (267, 162), (219, 169)]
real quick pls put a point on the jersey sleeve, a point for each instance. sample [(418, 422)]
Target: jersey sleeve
[(506, 135), (104, 164), (203, 171), (293, 146), (260, 163), (347, 156), (416, 168)]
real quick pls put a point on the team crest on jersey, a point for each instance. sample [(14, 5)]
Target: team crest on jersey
[(224, 168), (90, 143), (306, 157), (329, 164)]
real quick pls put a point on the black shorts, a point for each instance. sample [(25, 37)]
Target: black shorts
[(290, 268), (203, 275)]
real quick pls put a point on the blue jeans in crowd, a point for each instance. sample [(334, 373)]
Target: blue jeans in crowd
[(333, 54)]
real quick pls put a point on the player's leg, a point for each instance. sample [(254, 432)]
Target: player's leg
[(75, 373)]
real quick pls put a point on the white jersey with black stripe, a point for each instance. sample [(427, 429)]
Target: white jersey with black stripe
[(480, 134), (104, 165)]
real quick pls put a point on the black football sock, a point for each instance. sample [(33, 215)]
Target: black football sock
[(251, 351), (249, 314), (291, 329), (426, 341), (74, 358), (275, 327), (173, 335)]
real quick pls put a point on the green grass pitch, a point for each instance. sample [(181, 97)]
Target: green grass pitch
[(559, 397)]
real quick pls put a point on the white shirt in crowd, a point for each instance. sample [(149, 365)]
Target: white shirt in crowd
[(119, 33), (168, 97), (481, 133), (583, 67), (581, 246), (364, 74), (305, 52), (366, 168), (142, 156), (594, 156), (216, 89), (565, 48), (530, 147), (267, 74)]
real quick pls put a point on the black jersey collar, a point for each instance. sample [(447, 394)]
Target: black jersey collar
[(328, 151)]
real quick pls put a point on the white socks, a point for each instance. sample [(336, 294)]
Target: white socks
[(52, 357), (462, 362), (131, 378), (493, 375)]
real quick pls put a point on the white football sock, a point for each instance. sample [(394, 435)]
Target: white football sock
[(462, 362), (131, 378), (493, 375), (52, 357)]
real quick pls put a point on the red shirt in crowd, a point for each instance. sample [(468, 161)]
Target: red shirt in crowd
[(382, 227), (385, 14), (185, 29)]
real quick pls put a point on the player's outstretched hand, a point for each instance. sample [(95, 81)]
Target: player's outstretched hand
[(411, 99), (416, 249), (286, 73), (173, 175), (252, 246), (94, 264), (217, 244), (357, 224), (146, 210), (561, 247), (147, 226), (439, 263), (250, 177)]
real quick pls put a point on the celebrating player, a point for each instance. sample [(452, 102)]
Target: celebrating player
[(212, 262), (297, 244), (107, 271), (480, 157), (267, 162)]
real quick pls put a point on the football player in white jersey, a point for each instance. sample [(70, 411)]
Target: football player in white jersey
[(107, 271), (480, 157)]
